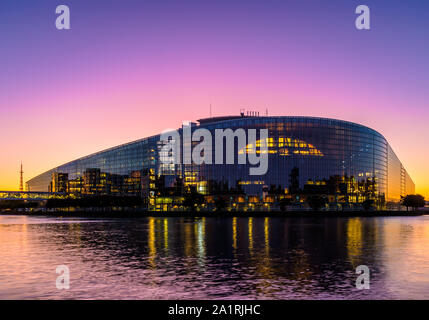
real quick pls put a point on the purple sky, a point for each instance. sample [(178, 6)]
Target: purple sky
[(128, 69)]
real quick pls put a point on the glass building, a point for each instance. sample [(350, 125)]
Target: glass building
[(344, 161)]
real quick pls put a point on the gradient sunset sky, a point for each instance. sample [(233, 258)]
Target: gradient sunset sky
[(128, 69)]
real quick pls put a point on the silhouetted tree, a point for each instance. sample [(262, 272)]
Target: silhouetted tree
[(239, 188), (294, 181), (96, 201), (413, 200), (178, 186), (334, 184), (285, 202), (220, 203), (193, 199), (368, 204), (17, 204), (316, 202)]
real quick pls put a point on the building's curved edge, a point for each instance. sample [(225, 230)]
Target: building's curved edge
[(233, 118)]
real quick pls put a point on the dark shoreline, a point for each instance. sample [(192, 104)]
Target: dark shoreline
[(184, 214)]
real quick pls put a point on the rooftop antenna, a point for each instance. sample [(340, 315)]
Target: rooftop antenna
[(21, 180), (266, 112), (210, 110)]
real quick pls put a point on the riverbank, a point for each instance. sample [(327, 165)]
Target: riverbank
[(145, 213)]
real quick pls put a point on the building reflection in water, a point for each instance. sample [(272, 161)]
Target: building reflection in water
[(268, 241), (267, 235), (200, 229), (166, 235), (250, 231), (354, 240), (234, 233), (271, 249), (151, 243), (237, 257)]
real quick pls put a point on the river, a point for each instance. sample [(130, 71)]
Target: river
[(214, 258)]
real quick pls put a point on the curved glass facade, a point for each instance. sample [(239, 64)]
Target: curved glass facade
[(346, 161)]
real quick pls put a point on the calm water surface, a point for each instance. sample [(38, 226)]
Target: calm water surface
[(214, 258)]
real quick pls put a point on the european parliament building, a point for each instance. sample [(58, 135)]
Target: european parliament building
[(344, 162)]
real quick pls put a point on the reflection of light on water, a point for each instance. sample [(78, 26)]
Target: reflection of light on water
[(188, 239), (250, 230), (354, 239), (407, 256), (24, 238), (234, 233), (201, 245), (75, 230), (151, 242), (264, 262), (301, 266), (19, 238), (166, 234), (267, 235), (298, 265)]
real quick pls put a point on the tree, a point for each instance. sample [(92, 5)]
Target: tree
[(368, 204), (178, 186), (193, 199), (220, 203), (17, 204), (414, 201), (316, 202), (294, 181), (285, 202)]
